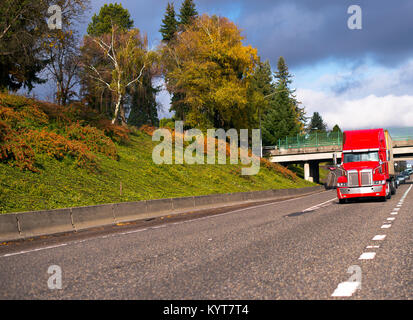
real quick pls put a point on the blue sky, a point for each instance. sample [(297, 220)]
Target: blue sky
[(355, 78)]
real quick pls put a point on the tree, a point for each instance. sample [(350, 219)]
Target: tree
[(284, 77), (187, 13), (143, 106), (169, 24), (23, 32), (209, 64), (63, 54), (283, 116), (62, 50), (22, 29), (336, 129), (316, 124), (109, 15), (124, 56)]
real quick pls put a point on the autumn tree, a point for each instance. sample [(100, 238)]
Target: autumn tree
[(213, 68), (124, 56), (61, 47)]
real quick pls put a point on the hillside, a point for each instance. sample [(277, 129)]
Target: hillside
[(54, 157)]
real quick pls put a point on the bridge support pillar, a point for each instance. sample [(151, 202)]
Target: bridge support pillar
[(311, 171), (307, 171), (314, 171)]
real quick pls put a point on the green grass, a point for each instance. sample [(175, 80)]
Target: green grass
[(61, 184)]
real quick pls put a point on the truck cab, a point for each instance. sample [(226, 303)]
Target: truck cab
[(367, 165)]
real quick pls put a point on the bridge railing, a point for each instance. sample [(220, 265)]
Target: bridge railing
[(316, 139), (402, 138)]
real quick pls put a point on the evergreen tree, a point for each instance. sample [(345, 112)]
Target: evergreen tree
[(336, 128), (169, 24), (143, 106), (109, 14), (316, 124), (187, 12), (283, 117), (280, 121)]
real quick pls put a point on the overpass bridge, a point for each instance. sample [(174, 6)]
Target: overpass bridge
[(313, 149)]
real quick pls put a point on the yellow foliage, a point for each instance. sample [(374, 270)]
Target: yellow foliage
[(211, 65)]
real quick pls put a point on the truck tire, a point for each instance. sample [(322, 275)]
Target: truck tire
[(342, 201), (393, 187), (388, 190)]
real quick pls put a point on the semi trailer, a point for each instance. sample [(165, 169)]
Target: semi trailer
[(367, 165)]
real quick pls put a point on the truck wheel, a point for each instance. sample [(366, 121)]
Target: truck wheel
[(388, 191), (393, 187), (342, 201)]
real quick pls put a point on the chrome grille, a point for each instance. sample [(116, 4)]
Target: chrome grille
[(353, 178), (366, 177)]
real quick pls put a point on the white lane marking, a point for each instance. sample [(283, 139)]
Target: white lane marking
[(396, 209), (33, 250), (372, 247), (390, 219), (385, 226), (317, 206), (346, 289), (367, 256), (394, 213), (379, 237)]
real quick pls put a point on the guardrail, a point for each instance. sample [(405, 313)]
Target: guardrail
[(22, 225), (320, 139), (311, 140), (402, 138)]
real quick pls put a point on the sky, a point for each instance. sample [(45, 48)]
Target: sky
[(356, 78)]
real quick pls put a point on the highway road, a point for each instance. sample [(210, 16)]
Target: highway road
[(294, 249)]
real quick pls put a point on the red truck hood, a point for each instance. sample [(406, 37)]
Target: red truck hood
[(360, 165)]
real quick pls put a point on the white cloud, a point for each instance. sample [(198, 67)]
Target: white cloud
[(368, 112), (365, 96)]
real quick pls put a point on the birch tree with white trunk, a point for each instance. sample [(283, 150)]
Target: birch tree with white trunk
[(119, 60)]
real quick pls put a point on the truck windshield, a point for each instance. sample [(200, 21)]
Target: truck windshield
[(361, 156)]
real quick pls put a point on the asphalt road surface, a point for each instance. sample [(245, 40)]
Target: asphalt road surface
[(305, 248)]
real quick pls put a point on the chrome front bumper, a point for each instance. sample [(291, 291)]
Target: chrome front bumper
[(361, 190)]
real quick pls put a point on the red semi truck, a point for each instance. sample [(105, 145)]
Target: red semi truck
[(367, 165)]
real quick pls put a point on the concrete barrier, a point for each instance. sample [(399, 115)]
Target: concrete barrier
[(8, 227), (159, 205), (202, 201), (129, 211), (38, 223), (183, 203), (93, 216)]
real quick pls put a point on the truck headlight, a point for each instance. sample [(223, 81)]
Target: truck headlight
[(379, 182), (343, 184)]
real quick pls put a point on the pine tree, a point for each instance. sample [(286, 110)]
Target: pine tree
[(187, 12), (143, 106), (284, 117), (169, 24), (109, 14), (316, 124)]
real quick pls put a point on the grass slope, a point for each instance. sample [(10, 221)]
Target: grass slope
[(132, 177)]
